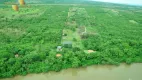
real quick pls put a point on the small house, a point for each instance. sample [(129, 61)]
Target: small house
[(67, 44), (59, 48)]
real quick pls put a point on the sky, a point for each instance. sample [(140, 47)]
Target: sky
[(131, 2)]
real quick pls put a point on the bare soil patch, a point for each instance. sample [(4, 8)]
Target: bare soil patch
[(58, 55)]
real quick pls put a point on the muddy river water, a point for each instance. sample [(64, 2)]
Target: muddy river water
[(97, 72)]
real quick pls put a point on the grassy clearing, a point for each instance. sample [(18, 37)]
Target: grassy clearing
[(112, 11), (26, 11), (12, 32), (71, 29), (133, 21), (75, 28)]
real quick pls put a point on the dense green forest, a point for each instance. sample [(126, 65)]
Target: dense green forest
[(29, 37)]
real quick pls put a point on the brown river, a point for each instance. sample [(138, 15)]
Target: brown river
[(97, 72)]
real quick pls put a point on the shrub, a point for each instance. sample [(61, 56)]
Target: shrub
[(74, 39)]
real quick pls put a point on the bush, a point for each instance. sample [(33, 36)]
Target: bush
[(74, 39), (76, 49), (65, 34)]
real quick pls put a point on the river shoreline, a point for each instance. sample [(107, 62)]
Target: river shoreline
[(98, 72)]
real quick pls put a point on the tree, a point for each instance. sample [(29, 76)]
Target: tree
[(75, 62)]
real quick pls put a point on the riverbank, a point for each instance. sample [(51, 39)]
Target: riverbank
[(96, 72)]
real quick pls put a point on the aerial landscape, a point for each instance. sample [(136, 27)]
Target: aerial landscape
[(40, 36)]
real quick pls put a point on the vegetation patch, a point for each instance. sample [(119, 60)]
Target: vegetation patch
[(133, 21), (28, 44), (12, 31)]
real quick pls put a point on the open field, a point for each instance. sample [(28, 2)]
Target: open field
[(29, 37)]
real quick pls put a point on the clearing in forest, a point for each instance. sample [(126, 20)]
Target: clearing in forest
[(112, 11), (13, 32), (76, 26), (133, 22)]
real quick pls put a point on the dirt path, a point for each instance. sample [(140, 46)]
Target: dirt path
[(75, 26)]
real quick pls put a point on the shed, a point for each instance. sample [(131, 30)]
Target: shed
[(59, 48), (67, 44)]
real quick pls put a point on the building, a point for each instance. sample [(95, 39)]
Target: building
[(59, 48), (67, 44)]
